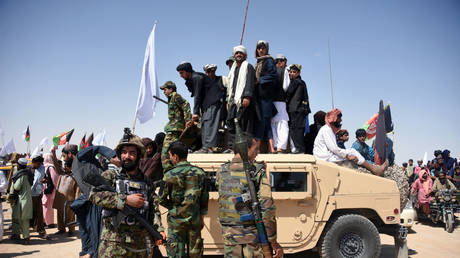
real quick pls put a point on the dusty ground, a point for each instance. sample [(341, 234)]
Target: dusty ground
[(424, 240)]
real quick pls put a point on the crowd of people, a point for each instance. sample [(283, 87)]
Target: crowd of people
[(268, 101), (442, 172)]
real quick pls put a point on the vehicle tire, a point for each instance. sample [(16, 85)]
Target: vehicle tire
[(350, 236), (450, 223)]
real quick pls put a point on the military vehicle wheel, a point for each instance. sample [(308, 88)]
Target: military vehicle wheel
[(450, 223), (350, 236)]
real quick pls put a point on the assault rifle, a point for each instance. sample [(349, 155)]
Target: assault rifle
[(101, 184), (242, 148)]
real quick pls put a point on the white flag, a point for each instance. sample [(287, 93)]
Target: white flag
[(44, 143), (99, 138), (145, 108), (8, 148), (36, 152), (425, 159)]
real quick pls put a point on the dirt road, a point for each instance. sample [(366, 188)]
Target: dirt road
[(424, 240)]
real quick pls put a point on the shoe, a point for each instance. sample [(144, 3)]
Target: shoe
[(60, 232), (51, 226), (15, 237), (44, 236), (70, 233), (202, 150), (227, 151), (26, 241)]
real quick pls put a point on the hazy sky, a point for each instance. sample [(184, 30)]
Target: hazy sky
[(77, 64)]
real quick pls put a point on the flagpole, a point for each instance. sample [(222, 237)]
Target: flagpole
[(244, 23), (134, 123), (330, 72)]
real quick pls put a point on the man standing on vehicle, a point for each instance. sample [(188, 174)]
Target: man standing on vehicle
[(241, 238), (186, 196), (240, 94), (298, 107), (178, 113), (125, 236), (280, 122)]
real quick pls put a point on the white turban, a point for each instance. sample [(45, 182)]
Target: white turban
[(209, 66), (239, 48)]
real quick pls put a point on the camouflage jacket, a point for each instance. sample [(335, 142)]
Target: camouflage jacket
[(185, 195), (124, 233), (178, 113), (229, 173)]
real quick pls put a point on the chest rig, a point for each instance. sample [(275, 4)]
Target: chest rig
[(234, 198), (126, 186)]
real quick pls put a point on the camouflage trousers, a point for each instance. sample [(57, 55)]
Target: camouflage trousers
[(169, 138), (109, 249), (243, 250), (241, 241), (184, 243)]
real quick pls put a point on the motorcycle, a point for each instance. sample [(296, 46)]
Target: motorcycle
[(443, 207)]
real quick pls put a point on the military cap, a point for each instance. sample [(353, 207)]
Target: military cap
[(230, 59), (295, 66), (134, 140), (23, 161), (168, 84)]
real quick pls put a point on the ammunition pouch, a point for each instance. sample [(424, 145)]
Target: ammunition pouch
[(127, 187), (242, 205)]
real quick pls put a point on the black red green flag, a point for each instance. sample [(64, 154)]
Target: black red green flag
[(27, 135), (89, 141), (62, 138), (82, 144)]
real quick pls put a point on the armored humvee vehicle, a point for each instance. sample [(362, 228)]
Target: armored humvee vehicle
[(320, 205)]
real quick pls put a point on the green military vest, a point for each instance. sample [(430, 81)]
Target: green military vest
[(233, 184)]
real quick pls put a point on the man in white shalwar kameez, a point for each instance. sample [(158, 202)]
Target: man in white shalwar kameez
[(280, 122), (326, 148)]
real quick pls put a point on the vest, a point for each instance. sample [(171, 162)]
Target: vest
[(234, 194), (127, 187)]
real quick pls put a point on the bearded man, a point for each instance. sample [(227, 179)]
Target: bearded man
[(241, 102), (129, 238)]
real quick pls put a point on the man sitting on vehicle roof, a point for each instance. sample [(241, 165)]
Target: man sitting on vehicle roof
[(326, 148)]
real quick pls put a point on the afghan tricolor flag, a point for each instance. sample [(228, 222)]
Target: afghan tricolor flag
[(27, 135), (371, 127), (82, 144), (62, 138), (89, 141)]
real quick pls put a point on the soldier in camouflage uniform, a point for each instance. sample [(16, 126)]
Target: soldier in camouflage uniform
[(178, 114), (241, 238), (186, 196), (126, 240)]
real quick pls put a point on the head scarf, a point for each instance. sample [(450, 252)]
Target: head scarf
[(425, 182), (332, 117), (48, 160)]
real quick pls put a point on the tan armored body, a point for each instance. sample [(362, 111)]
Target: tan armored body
[(320, 206)]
